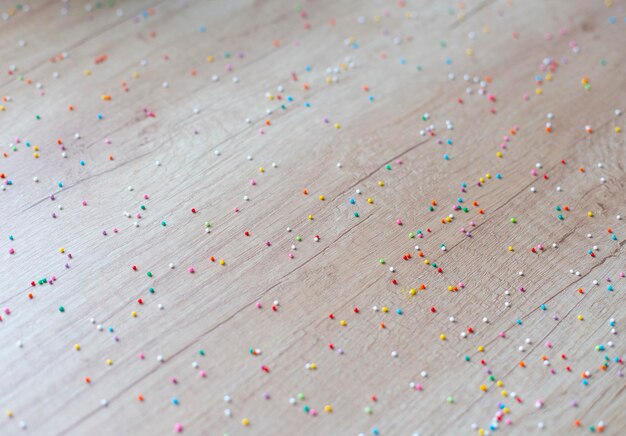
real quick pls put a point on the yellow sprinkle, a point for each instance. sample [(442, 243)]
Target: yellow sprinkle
[(450, 288), (510, 248), (503, 393), (87, 72), (328, 408), (618, 130), (36, 155), (210, 58), (222, 262), (322, 198), (261, 169), (76, 347), (328, 79), (538, 91), (245, 422), (426, 262), (36, 148), (480, 348), (483, 388), (499, 383), (109, 362), (487, 176), (380, 183), (481, 180), (135, 75), (310, 217), (343, 323), (499, 154), (590, 214), (412, 291), (370, 201), (133, 314), (337, 126), (385, 309), (469, 51), (61, 250), (9, 414), (506, 410), (313, 366), (1, 107), (580, 317), (442, 337)]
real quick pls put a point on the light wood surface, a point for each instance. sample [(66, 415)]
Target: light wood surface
[(182, 138)]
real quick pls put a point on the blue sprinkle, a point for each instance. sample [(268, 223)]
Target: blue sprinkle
[(542, 307), (609, 288), (446, 157), (308, 68)]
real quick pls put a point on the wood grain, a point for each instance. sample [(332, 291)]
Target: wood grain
[(181, 134)]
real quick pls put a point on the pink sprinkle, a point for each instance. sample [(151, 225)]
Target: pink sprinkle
[(178, 428), (141, 356), (202, 373), (252, 182), (191, 270), (11, 251), (258, 305), (399, 222), (84, 203)]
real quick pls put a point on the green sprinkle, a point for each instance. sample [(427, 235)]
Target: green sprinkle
[(61, 309), (149, 274)]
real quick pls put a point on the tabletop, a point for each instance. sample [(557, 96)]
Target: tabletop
[(312, 217)]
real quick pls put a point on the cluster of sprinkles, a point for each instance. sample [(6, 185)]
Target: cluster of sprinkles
[(419, 259)]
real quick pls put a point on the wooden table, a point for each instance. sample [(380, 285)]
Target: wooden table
[(179, 242)]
